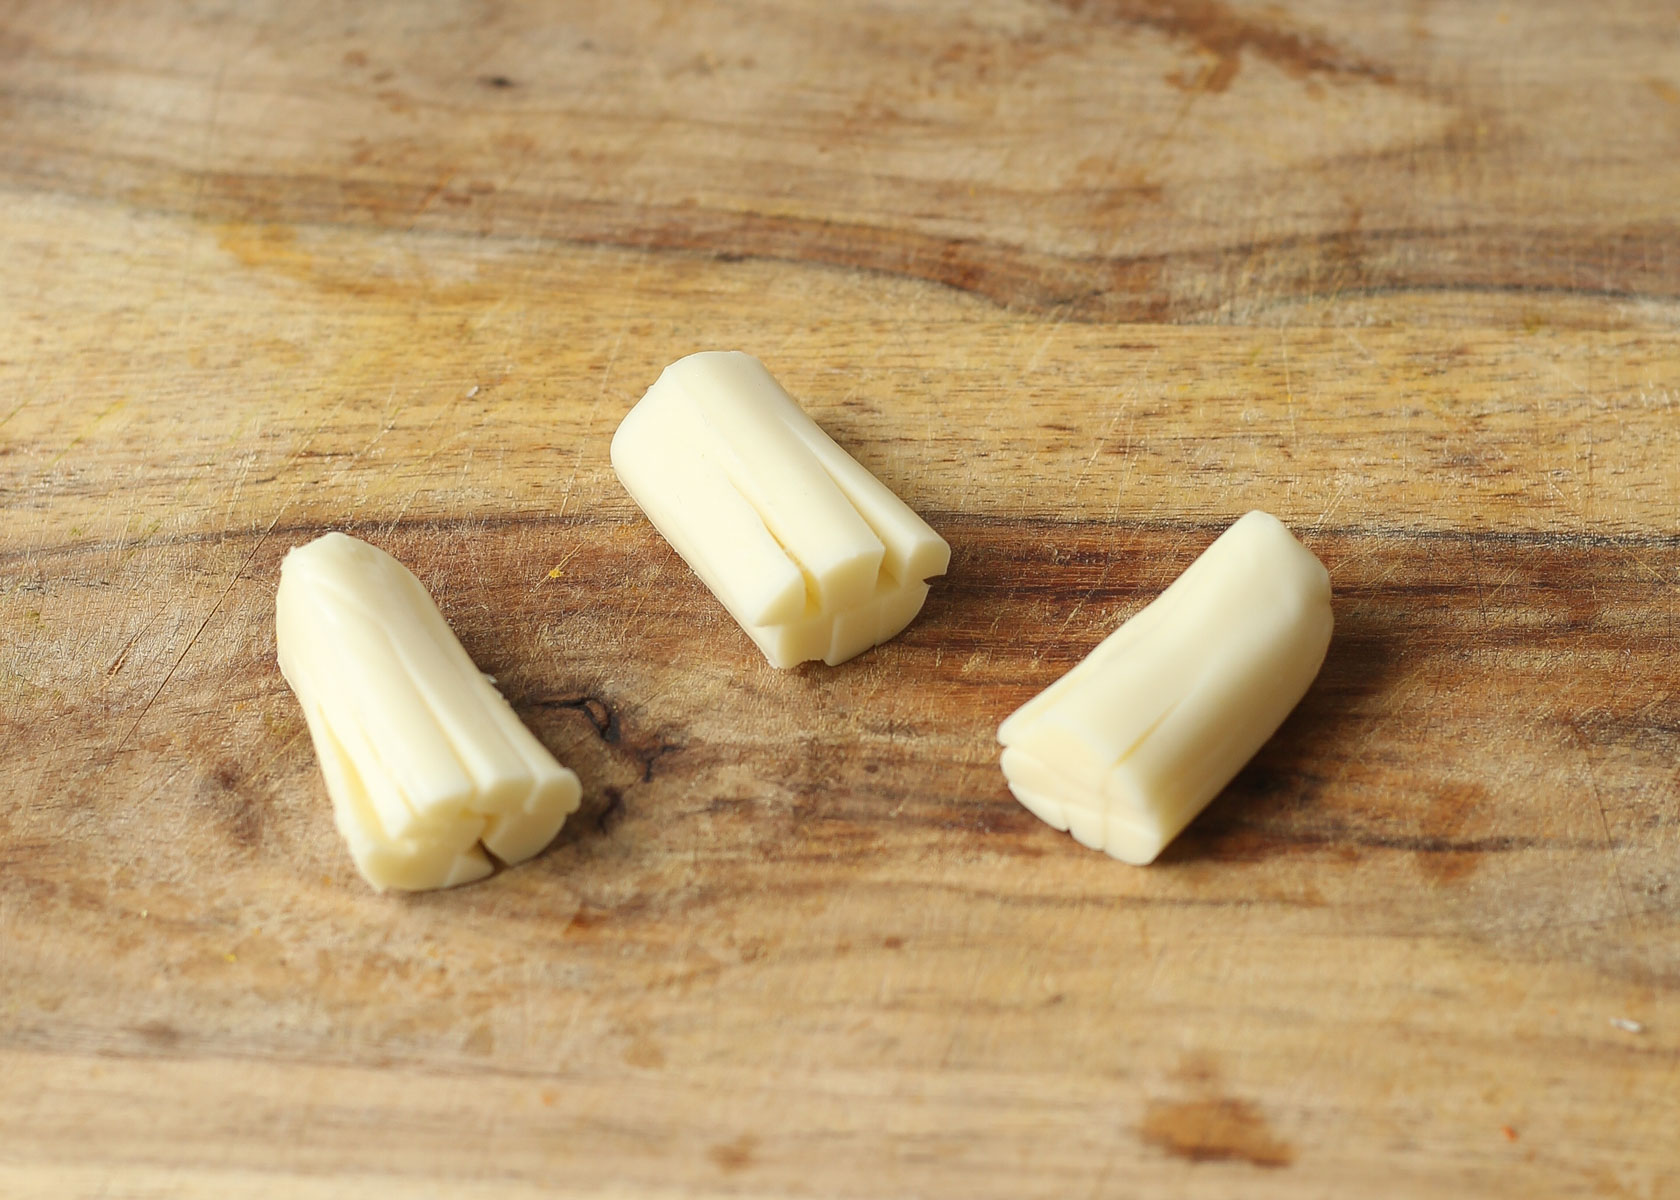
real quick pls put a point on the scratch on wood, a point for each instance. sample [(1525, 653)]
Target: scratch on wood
[(117, 663), (202, 625), (1574, 726), (83, 433)]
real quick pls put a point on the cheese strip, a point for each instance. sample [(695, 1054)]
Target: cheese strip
[(426, 764), (1126, 748), (811, 554)]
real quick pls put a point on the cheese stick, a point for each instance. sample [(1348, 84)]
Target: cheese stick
[(1127, 747), (811, 554), (427, 765)]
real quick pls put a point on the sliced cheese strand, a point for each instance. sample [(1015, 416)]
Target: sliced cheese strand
[(1126, 748), (811, 554), (424, 760)]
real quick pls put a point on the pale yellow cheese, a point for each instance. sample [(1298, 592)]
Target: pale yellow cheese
[(1127, 747), (427, 765), (811, 554)]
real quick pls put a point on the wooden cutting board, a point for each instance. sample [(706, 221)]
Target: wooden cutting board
[(1083, 280)]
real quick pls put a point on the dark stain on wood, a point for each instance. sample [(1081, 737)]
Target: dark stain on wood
[(1221, 1129), (613, 813), (599, 712), (736, 1155), (586, 920), (1224, 34), (646, 750), (236, 807), (1444, 855), (158, 1034)]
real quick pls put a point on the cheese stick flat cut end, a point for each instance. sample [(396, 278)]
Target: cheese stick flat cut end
[(811, 554), (1126, 748), (426, 764), (834, 639)]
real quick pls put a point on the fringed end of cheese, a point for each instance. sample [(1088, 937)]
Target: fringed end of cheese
[(427, 765)]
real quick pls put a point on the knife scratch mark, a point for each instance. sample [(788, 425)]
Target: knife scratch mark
[(606, 372), (1591, 775), (237, 575), (191, 642)]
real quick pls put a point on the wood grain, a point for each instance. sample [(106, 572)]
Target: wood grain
[(1083, 281), (1107, 159)]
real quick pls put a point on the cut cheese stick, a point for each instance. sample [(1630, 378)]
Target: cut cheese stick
[(1125, 749), (811, 554), (426, 763)]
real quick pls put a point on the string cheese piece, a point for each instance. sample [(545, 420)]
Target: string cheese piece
[(427, 765), (811, 554), (1126, 748)]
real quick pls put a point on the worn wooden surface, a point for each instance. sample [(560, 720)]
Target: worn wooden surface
[(1083, 280)]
